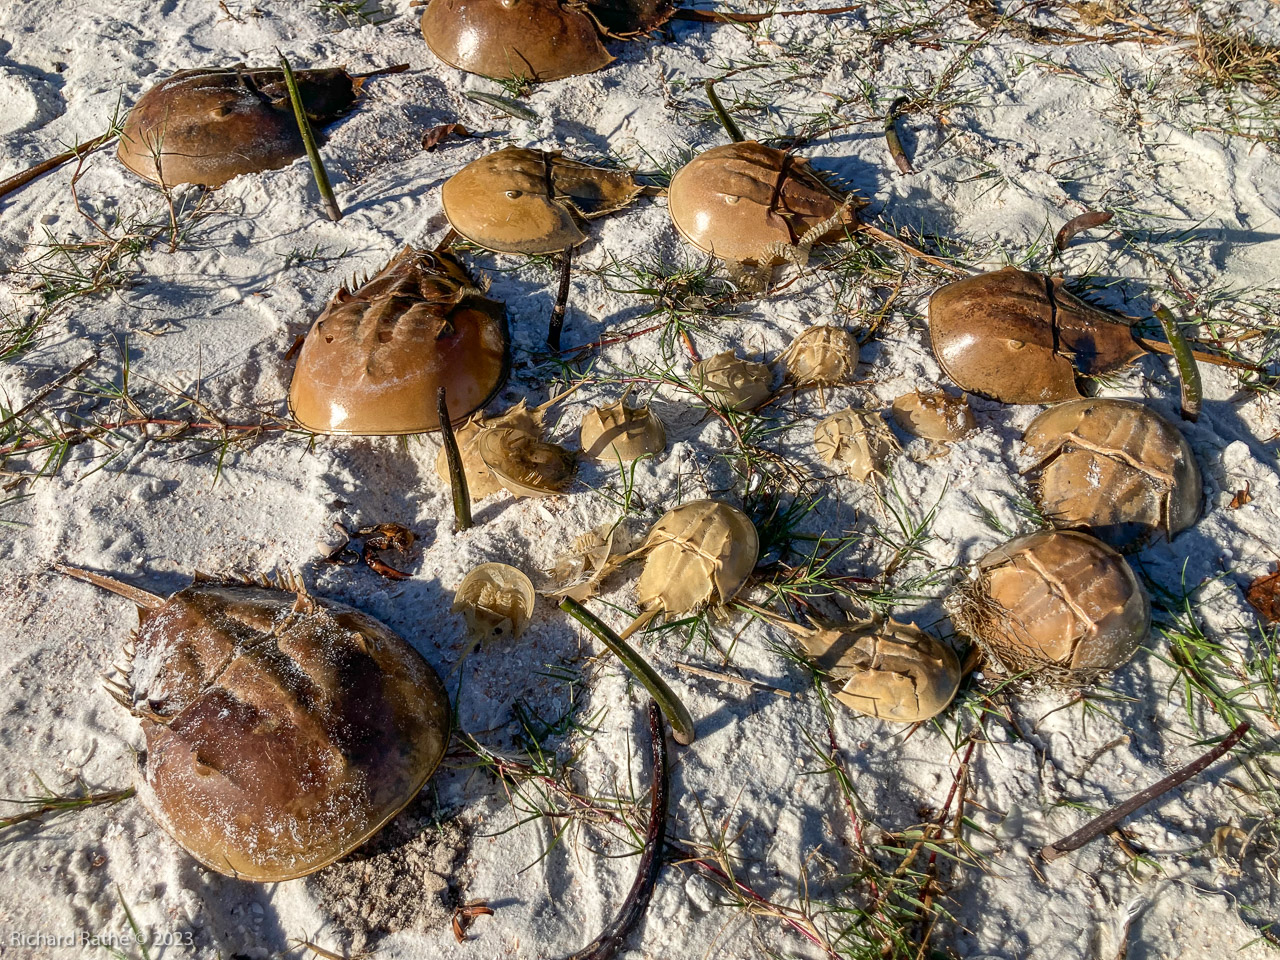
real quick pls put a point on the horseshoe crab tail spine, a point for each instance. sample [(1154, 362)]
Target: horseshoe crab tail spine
[(381, 71), (726, 121), (640, 622), (1159, 346), (141, 597)]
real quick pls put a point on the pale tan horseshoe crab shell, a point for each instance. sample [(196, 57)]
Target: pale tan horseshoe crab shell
[(858, 440), (496, 600), (1115, 469), (821, 356), (525, 465), (934, 416), (1060, 603), (282, 730), (619, 432), (578, 571), (728, 380)]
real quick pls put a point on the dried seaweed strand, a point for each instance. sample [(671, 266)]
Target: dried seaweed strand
[(1188, 372), (453, 456), (309, 142)]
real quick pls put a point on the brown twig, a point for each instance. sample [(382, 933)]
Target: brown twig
[(715, 16), (19, 180), (1102, 824)]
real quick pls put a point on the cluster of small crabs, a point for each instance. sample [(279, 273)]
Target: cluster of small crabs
[(359, 721)]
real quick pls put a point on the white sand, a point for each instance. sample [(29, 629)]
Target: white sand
[(1044, 132)]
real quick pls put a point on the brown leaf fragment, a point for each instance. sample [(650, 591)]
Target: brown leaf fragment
[(1241, 498), (445, 131), (1264, 596), (1077, 225)]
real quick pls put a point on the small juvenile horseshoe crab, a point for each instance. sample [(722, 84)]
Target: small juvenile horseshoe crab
[(523, 464), (530, 201), (374, 359), (1058, 602), (282, 730), (1021, 337), (934, 416), (751, 204), (534, 39), (207, 126), (496, 600), (620, 432), (736, 384), (885, 669), (859, 440), (1114, 468), (700, 552), (821, 356)]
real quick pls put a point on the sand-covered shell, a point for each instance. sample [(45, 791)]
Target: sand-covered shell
[(821, 356), (1020, 337), (859, 441), (748, 203), (619, 432), (699, 553), (1115, 469), (525, 465), (374, 359), (934, 416), (530, 201), (728, 380), (209, 125), (496, 599), (282, 730), (1060, 603), (886, 669), (515, 39)]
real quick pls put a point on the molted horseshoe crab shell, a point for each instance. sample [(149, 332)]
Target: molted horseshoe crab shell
[(496, 600), (734, 383), (1020, 337), (374, 359), (890, 670), (207, 126), (619, 432), (282, 730), (530, 201), (1059, 602), (515, 39), (525, 465), (577, 572), (858, 440), (821, 356), (748, 203), (934, 416), (1114, 468)]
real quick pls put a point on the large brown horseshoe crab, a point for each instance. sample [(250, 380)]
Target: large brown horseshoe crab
[(282, 730), (209, 125), (374, 359)]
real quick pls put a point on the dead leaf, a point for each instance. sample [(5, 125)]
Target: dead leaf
[(1241, 498), (1264, 596), (437, 135)]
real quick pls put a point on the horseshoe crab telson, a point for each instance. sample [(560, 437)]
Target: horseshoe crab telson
[(282, 730)]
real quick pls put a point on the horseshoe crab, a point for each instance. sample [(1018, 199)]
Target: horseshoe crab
[(934, 416), (209, 125), (748, 203), (736, 384), (496, 600), (620, 432), (859, 440), (534, 40), (1021, 337), (374, 359), (885, 669), (282, 730), (1114, 468), (577, 572), (1058, 602), (523, 464), (700, 552), (821, 356)]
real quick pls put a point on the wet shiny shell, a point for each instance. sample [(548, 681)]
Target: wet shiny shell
[(934, 416), (496, 600), (701, 552), (525, 465), (514, 39), (1058, 602), (1114, 468), (821, 356), (1020, 337), (282, 730), (732, 382), (530, 201), (619, 432), (858, 440), (207, 126), (373, 361), (741, 201), (888, 670)]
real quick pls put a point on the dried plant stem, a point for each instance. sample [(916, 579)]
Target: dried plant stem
[(40, 806), (891, 137), (453, 456), (716, 16), (556, 326), (18, 180), (309, 142), (677, 714), (1102, 824), (1188, 372), (726, 121), (637, 900), (730, 678), (48, 389)]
